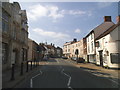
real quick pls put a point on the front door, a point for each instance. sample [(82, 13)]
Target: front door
[(88, 58), (101, 57)]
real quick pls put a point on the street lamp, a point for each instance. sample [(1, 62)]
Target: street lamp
[(77, 52), (38, 51)]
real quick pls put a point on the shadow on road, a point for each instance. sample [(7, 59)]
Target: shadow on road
[(88, 69), (95, 71)]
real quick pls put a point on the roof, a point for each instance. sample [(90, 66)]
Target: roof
[(108, 31), (101, 29), (49, 46), (42, 48)]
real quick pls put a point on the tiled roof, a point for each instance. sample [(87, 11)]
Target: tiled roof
[(49, 46), (42, 47), (108, 31), (101, 28)]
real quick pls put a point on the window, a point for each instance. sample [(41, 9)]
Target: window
[(97, 44), (115, 57), (68, 50), (88, 49), (5, 21), (14, 31), (91, 36), (92, 46), (4, 53)]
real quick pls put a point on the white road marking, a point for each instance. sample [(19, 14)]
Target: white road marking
[(31, 84), (114, 81), (69, 81), (31, 80)]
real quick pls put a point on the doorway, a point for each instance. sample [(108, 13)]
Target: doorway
[(101, 57), (88, 58)]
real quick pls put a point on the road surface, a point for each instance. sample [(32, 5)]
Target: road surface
[(59, 73)]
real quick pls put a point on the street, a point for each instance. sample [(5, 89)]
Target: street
[(58, 73)]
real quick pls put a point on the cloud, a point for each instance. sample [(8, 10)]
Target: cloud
[(51, 34), (54, 12), (77, 12), (57, 38), (77, 31), (104, 4), (38, 10)]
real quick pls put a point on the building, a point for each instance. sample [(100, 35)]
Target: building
[(43, 51), (108, 47), (70, 48), (78, 45), (67, 48), (85, 49), (33, 51), (96, 32), (14, 46), (58, 52), (50, 50)]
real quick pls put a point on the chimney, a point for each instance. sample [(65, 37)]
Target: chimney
[(75, 40), (107, 18), (118, 19), (51, 44)]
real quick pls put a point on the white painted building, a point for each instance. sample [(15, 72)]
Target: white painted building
[(96, 32), (108, 47), (66, 49)]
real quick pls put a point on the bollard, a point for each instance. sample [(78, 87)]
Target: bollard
[(36, 64), (12, 72), (27, 66), (21, 73), (31, 65)]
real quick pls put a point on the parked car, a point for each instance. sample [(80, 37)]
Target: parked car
[(74, 58), (81, 60), (63, 57), (45, 58)]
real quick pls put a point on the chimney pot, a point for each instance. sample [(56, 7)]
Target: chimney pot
[(107, 18), (75, 40)]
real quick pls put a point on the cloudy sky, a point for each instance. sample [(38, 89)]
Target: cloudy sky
[(60, 22)]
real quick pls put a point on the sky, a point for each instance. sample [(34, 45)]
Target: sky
[(60, 22)]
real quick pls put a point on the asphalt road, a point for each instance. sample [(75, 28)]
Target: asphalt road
[(59, 73)]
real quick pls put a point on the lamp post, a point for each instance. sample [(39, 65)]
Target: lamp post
[(38, 51), (77, 52)]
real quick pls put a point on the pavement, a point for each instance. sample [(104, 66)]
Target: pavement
[(6, 76), (61, 73)]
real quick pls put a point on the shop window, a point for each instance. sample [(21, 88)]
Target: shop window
[(115, 57)]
